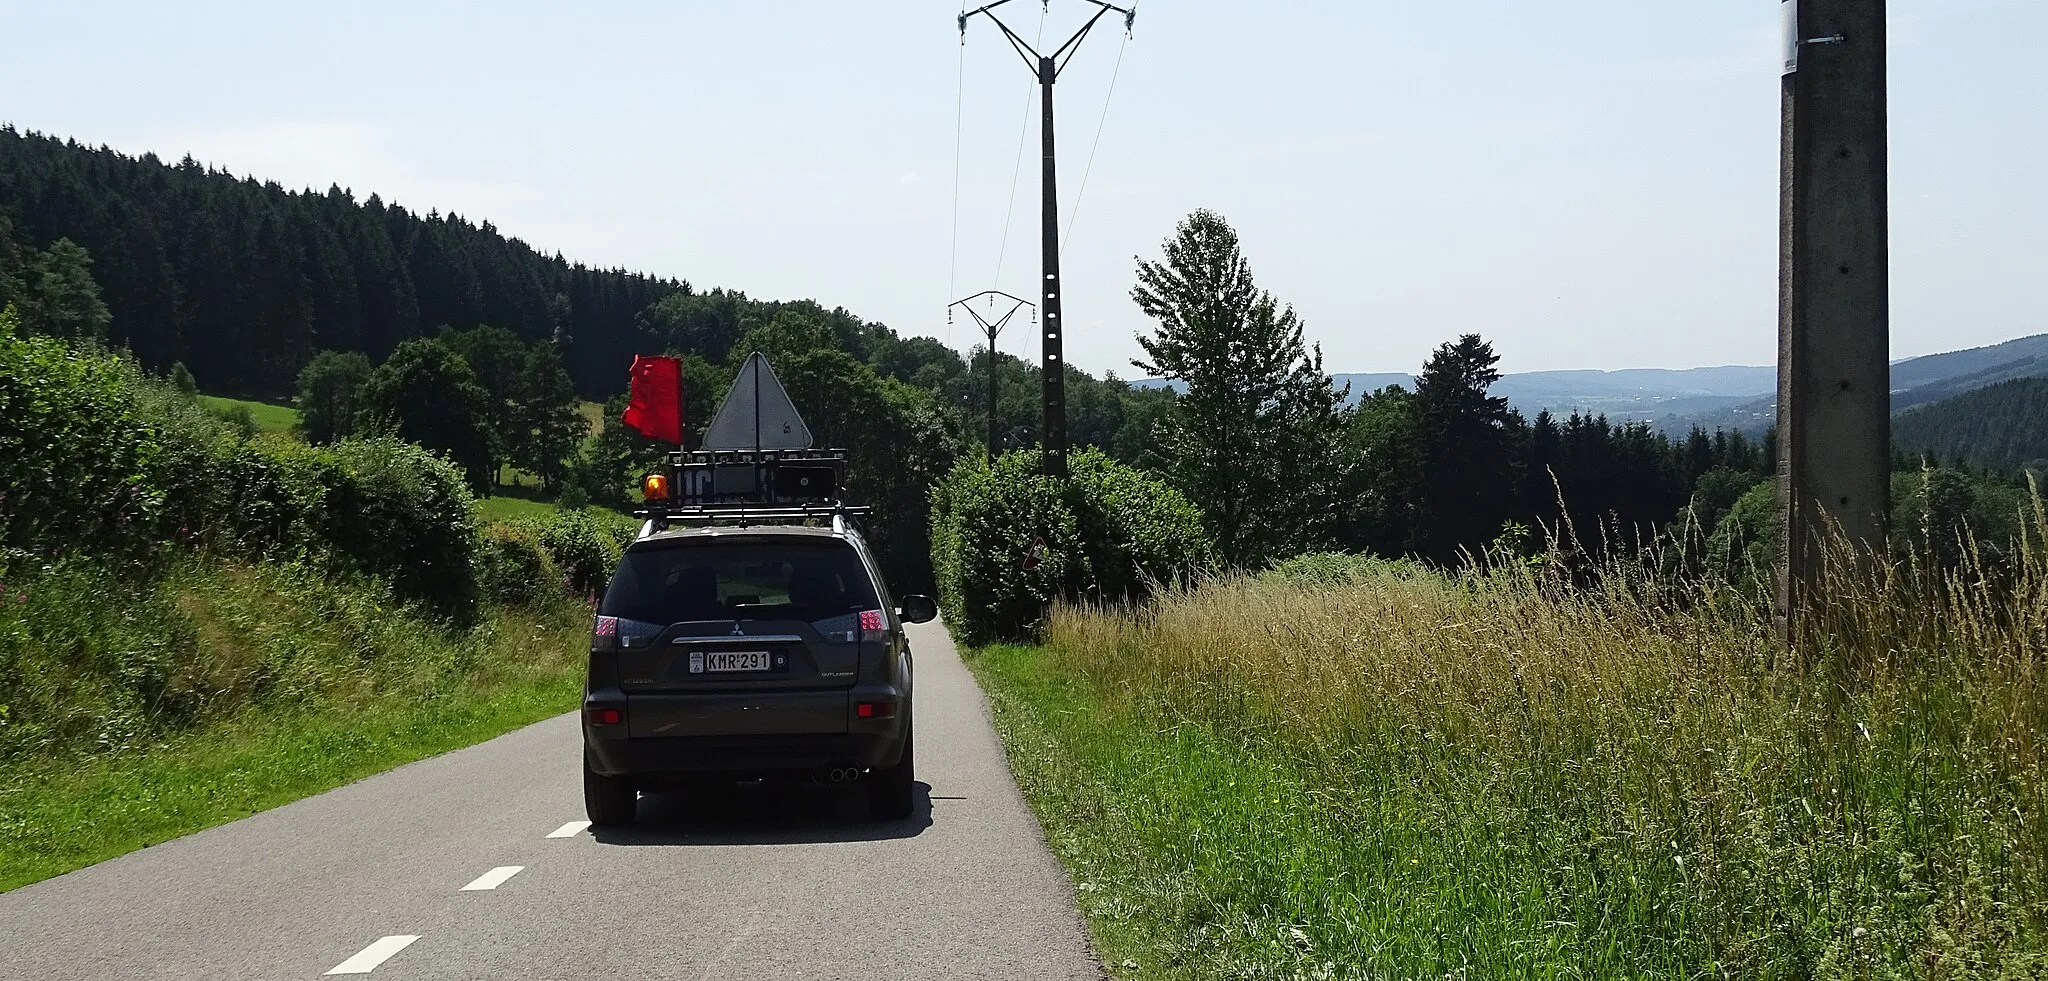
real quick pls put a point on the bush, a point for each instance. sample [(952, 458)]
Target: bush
[(407, 515), (1111, 534), (984, 521), (74, 451), (514, 567), (274, 496), (584, 548), (1136, 532), (239, 418)]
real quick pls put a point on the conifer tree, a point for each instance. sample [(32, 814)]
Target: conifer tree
[(1250, 440)]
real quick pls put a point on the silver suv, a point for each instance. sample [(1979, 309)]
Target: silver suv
[(755, 651)]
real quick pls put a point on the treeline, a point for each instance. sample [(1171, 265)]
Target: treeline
[(1261, 442), (481, 398), (244, 281), (2002, 427)]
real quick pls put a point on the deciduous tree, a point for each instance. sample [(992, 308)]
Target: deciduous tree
[(426, 394), (329, 386)]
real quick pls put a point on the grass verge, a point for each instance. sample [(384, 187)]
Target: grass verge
[(269, 418), (254, 685), (1406, 775)]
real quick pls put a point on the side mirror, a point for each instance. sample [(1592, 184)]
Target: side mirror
[(919, 609)]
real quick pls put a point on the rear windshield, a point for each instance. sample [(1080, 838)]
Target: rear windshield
[(712, 580)]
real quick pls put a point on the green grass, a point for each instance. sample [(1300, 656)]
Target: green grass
[(269, 418), (1403, 775), (504, 507), (246, 687)]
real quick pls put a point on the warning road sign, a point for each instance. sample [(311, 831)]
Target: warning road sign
[(757, 413)]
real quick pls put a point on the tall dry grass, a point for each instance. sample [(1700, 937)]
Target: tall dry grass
[(1639, 761)]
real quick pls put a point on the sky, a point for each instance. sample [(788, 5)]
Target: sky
[(1591, 184)]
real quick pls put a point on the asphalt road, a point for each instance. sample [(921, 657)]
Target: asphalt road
[(479, 856)]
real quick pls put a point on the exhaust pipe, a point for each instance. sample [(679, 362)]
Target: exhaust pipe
[(845, 774)]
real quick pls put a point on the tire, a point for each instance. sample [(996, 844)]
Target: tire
[(608, 801), (892, 791)]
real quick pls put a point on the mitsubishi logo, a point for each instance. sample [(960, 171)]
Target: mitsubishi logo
[(737, 632)]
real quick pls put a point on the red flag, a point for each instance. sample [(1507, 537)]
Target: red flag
[(656, 408)]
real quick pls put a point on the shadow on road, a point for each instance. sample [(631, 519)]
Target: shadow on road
[(764, 815)]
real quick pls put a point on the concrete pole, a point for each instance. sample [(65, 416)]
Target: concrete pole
[(1834, 405), (1054, 368)]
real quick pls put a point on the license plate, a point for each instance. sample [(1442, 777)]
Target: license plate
[(723, 662)]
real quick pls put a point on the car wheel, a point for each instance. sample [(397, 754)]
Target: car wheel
[(607, 801), (892, 791)]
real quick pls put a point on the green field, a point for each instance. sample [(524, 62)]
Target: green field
[(504, 507), (269, 418)]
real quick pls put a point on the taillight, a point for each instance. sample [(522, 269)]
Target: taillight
[(606, 717), (604, 634), (873, 629), (874, 710)]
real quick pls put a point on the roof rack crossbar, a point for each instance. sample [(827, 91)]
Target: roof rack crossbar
[(662, 517)]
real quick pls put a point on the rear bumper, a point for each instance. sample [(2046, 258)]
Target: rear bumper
[(653, 759), (614, 750)]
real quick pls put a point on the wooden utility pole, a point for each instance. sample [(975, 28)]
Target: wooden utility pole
[(1054, 365), (1834, 377)]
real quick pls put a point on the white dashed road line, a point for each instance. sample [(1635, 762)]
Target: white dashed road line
[(570, 830), (494, 878), (373, 955)]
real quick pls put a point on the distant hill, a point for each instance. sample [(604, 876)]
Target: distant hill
[(1724, 381), (1935, 391), (1914, 381), (2000, 427), (1733, 397), (1977, 361)]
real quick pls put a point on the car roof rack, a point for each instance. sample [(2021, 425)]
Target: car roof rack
[(706, 488)]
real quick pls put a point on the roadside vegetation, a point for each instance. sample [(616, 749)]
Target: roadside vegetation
[(224, 688), (198, 621), (1464, 696), (1355, 768)]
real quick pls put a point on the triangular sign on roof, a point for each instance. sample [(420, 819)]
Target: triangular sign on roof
[(757, 413)]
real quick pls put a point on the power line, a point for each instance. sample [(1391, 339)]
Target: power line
[(959, 113), (1075, 214), (1016, 171)]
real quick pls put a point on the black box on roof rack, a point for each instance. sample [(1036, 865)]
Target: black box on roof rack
[(760, 477), (750, 487)]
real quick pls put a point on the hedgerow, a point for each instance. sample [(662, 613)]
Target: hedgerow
[(1110, 532), (97, 459)]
